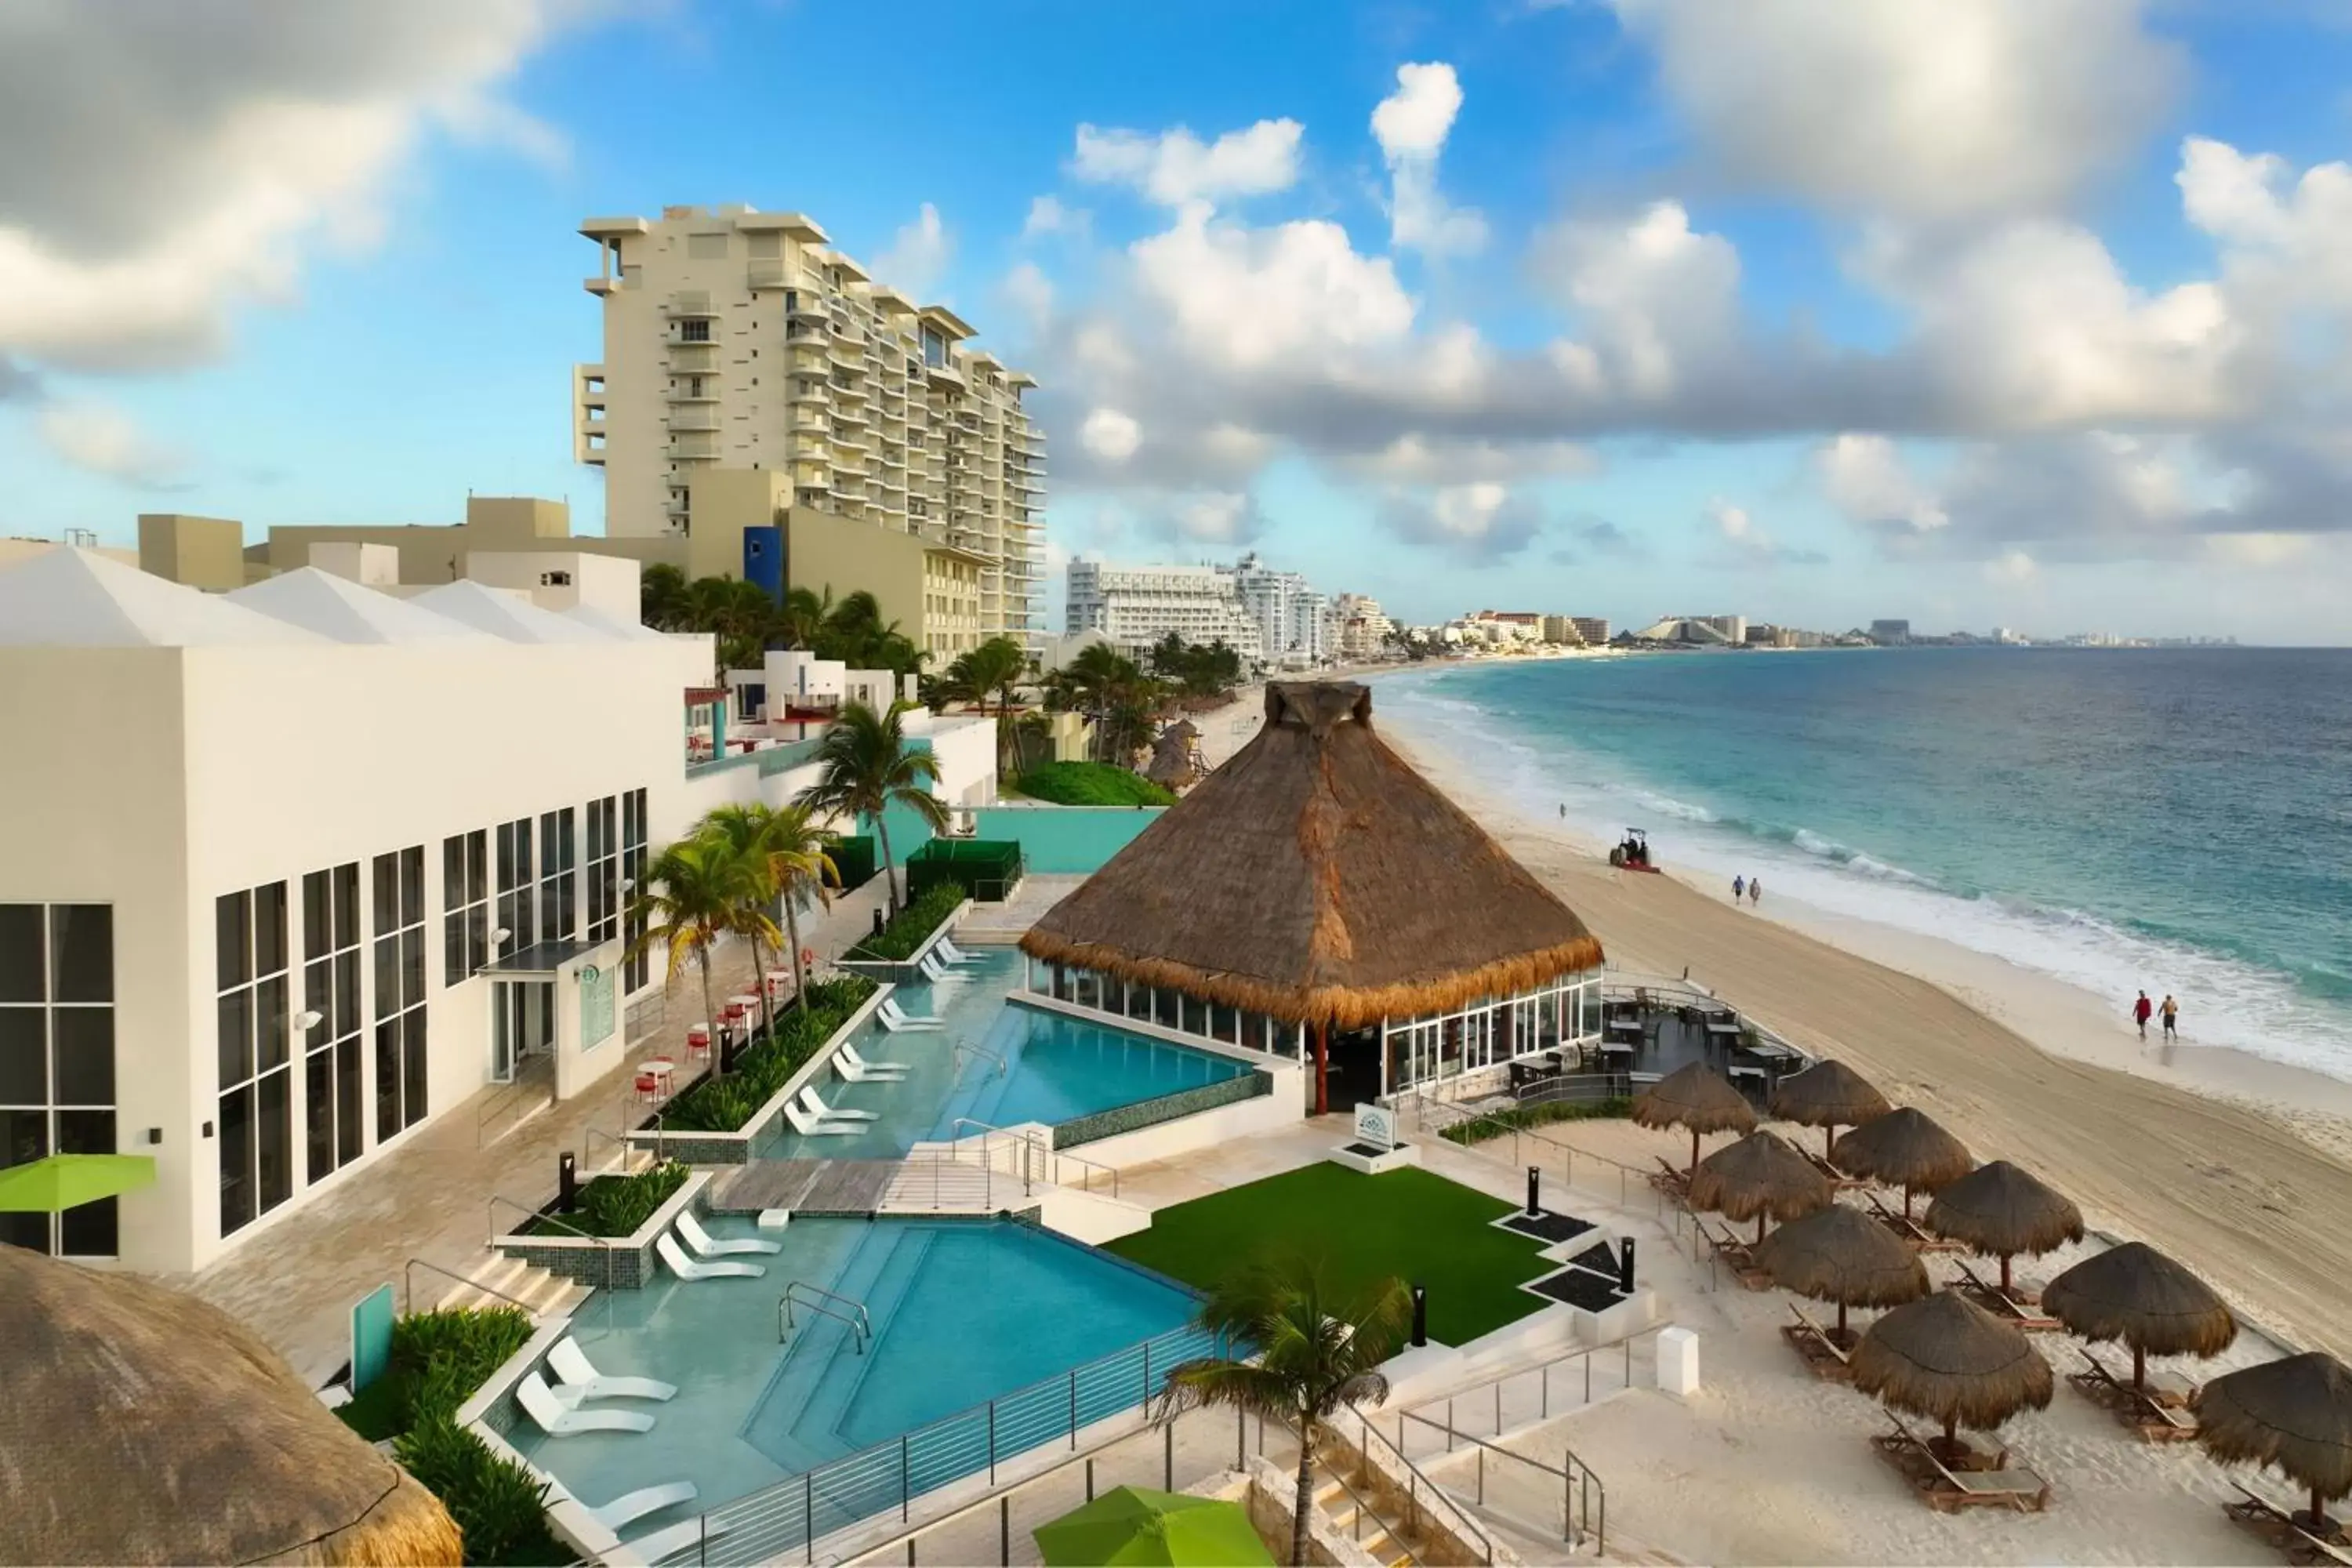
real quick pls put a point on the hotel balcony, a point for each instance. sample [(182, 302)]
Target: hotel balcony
[(690, 304), (687, 393), (693, 448), (767, 275), (601, 287), (693, 359), (693, 417)]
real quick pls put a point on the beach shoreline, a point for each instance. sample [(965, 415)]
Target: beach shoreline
[(2239, 1165)]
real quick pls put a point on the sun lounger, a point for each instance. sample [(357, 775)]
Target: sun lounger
[(934, 968), (850, 1052), (2005, 1304), (898, 1020), (1827, 1358), (816, 1106), (685, 1268), (672, 1539), (578, 1378), (808, 1126), (1835, 1177), (558, 1420), (2283, 1531), (1734, 1255), (1920, 1236), (2139, 1411), (705, 1245), (1946, 1490), (1670, 1181), (946, 949), (630, 1507)]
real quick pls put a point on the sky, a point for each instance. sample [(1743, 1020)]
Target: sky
[(2019, 312)]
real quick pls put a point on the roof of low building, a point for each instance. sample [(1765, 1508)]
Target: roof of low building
[(75, 598)]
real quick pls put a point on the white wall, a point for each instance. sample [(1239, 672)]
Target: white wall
[(605, 583)]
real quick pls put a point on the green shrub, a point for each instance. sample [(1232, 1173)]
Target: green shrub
[(1090, 783), (616, 1204), (725, 1104), (1519, 1118), (438, 1360), (919, 920), (979, 868), (499, 1507)]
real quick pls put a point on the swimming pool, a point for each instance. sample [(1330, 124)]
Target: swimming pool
[(994, 1063), (963, 1313)]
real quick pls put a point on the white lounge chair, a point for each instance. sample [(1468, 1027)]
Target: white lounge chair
[(898, 1020), (630, 1507), (933, 968), (558, 1420), (672, 1539), (816, 1107), (946, 948), (808, 1126), (709, 1245), (578, 1379), (685, 1268), (850, 1053)]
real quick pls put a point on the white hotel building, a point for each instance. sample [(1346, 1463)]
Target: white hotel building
[(1136, 606), (287, 872)]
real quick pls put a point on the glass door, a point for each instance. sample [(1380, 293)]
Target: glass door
[(523, 1024)]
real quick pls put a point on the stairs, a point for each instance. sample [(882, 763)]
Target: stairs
[(546, 1295), (1355, 1515), (933, 1184)]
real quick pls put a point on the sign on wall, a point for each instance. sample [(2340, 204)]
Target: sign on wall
[(371, 1317), (595, 1007), (1376, 1126)]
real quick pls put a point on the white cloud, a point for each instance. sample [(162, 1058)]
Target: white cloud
[(1224, 517), (1110, 435), (165, 161), (1865, 478), (1030, 293), (2288, 239), (1048, 214), (1732, 522), (1175, 167), (1410, 125), (2011, 568), (104, 440), (918, 254), (1654, 294), (1739, 541), (1481, 520), (1923, 109), (1251, 297)]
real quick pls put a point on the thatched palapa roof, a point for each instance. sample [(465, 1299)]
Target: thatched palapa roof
[(1698, 1097), (2296, 1414), (1947, 1358), (1315, 877), (1841, 1255), (2136, 1294), (1828, 1094), (2001, 1210), (140, 1425), (1756, 1177), (1905, 1148)]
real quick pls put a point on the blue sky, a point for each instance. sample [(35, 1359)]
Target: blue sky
[(2017, 312)]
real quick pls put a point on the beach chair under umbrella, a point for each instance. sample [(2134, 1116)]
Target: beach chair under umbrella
[(1841, 1255), (2002, 1212), (1759, 1178), (1828, 1095), (2136, 1294), (1905, 1149), (1698, 1097), (2296, 1414), (1945, 1358)]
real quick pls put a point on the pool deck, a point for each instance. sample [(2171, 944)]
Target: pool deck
[(812, 1186)]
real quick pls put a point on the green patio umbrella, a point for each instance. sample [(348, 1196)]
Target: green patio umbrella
[(1165, 1530), (67, 1180)]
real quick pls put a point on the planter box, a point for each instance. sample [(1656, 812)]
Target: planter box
[(619, 1263), (701, 1147), (1167, 1108), (1372, 1160), (903, 971)]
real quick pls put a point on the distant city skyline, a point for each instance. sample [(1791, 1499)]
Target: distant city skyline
[(1566, 298)]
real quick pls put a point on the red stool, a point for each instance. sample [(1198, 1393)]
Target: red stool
[(648, 1087), (698, 1041)]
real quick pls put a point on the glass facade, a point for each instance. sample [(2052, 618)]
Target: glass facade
[(398, 928), (335, 1131), (465, 906), (254, 1056), (57, 1060)]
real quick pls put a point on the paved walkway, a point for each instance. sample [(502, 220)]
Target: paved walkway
[(431, 1198)]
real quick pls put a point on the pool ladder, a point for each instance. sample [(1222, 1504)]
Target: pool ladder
[(963, 1050), (818, 1298)]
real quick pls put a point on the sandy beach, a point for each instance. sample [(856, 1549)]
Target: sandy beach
[(2242, 1173)]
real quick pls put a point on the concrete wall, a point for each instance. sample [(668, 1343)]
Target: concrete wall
[(201, 551), (561, 579), (822, 552)]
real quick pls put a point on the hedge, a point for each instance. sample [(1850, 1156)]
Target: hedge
[(1519, 1118), (719, 1104), (852, 860), (919, 920), (984, 868), (1090, 783), (616, 1204)]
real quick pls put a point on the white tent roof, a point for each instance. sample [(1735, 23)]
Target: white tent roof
[(350, 612), (611, 625), (72, 598), (505, 615)]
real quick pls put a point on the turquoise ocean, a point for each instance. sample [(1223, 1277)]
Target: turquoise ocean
[(2174, 820)]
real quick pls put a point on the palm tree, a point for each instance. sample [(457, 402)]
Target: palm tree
[(1315, 1353), (790, 851), (804, 616), (992, 669), (741, 615), (867, 768), (662, 597), (691, 896)]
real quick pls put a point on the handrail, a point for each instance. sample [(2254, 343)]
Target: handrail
[(818, 1300), (408, 1287), (604, 1244), (619, 1141), (1338, 1474), (1427, 1108), (510, 1091), (963, 1048), (1576, 1471), (1031, 1143), (1414, 1479)]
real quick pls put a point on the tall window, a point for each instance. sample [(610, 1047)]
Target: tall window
[(57, 1060), (604, 869), (399, 933), (516, 887), (466, 906), (633, 879), (256, 1074), (330, 988), (558, 849)]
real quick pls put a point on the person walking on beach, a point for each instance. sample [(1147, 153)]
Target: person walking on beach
[(2140, 1010), (1755, 889), (1738, 889), (2171, 1011)]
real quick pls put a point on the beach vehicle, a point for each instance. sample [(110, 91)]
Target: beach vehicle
[(1632, 853)]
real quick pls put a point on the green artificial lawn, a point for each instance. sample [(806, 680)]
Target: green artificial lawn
[(1421, 1228)]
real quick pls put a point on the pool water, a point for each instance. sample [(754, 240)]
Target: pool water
[(996, 1063), (964, 1312)]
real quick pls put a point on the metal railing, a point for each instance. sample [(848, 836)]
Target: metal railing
[(963, 1050), (950, 1178), (841, 1308), (1039, 1159), (1419, 1487), (603, 1244), (536, 1071), (1491, 1136), (408, 1287), (1580, 1516), (791, 1515)]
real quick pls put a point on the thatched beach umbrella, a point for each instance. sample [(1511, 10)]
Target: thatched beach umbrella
[(2002, 1211), (1841, 1255), (1947, 1358), (2296, 1414), (1759, 1178), (141, 1425), (1696, 1097), (2136, 1294), (1904, 1149), (1316, 879), (1829, 1095)]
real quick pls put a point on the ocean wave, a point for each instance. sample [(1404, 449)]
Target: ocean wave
[(1667, 805)]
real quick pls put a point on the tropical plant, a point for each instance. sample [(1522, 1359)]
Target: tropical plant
[(693, 893), (662, 597), (1197, 669), (725, 1105), (866, 767), (897, 939), (616, 1204), (1110, 689), (992, 669), (788, 849), (802, 619), (1090, 783), (1315, 1351), (499, 1505)]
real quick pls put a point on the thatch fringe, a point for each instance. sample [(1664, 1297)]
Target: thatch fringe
[(2296, 1414), (2136, 1294), (1945, 1358)]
